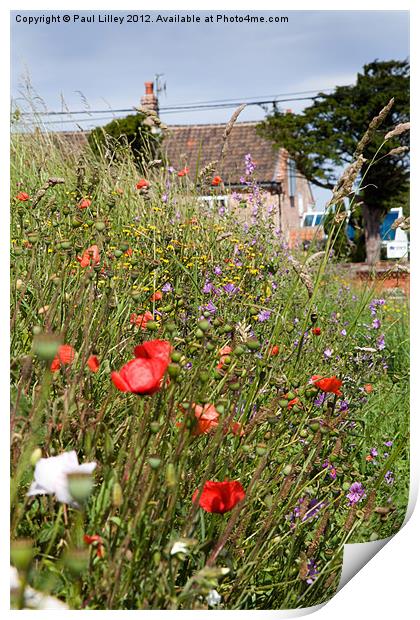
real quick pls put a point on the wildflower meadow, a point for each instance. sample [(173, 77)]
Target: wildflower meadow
[(201, 416)]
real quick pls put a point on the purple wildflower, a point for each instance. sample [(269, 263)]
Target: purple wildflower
[(327, 353), (389, 443), (343, 332), (389, 477), (380, 343), (167, 288), (374, 452), (264, 315), (217, 270), (376, 324), (230, 288), (356, 493), (208, 287), (210, 307), (319, 400), (312, 572)]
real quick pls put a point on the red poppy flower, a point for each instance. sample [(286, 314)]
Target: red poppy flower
[(316, 331), (97, 541), (327, 384), (22, 196), (93, 363), (89, 256), (85, 203), (274, 350), (128, 252), (141, 320), (294, 401), (183, 172), (368, 388), (65, 356), (142, 184), (219, 497), (207, 419), (144, 374), (236, 428), (156, 296), (369, 457), (216, 181)]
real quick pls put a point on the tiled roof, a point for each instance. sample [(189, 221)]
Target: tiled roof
[(198, 145)]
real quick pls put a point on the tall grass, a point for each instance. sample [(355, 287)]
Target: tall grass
[(299, 450)]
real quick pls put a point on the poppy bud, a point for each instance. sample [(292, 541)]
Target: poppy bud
[(22, 553), (33, 237), (287, 469), (227, 328), (199, 334), (35, 456), (152, 326), (154, 462), (174, 370), (100, 226), (154, 427), (76, 560), (45, 346), (176, 356), (204, 325), (80, 486), (238, 351), (253, 344), (118, 253), (261, 449), (170, 476), (17, 251), (117, 496), (283, 403)]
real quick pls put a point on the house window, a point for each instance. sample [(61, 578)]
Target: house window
[(214, 202), (291, 177)]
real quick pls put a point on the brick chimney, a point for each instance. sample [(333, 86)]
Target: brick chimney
[(149, 101)]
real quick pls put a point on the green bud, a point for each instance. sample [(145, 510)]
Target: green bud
[(203, 376), (117, 495), (283, 403), (35, 456), (100, 226), (314, 426), (170, 476), (118, 253), (303, 433), (152, 326), (76, 560), (345, 486), (154, 427), (261, 449), (204, 325), (171, 327), (253, 344), (227, 328), (154, 462), (374, 536), (287, 469), (22, 553), (45, 346), (199, 333), (174, 370), (176, 356), (238, 351), (80, 486)]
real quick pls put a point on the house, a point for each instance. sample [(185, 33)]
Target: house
[(282, 187)]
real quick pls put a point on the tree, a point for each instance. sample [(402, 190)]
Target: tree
[(324, 137), (135, 132)]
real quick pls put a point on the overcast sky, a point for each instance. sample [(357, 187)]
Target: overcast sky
[(109, 62)]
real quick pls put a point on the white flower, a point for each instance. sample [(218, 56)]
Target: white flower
[(50, 476), (32, 598), (213, 598)]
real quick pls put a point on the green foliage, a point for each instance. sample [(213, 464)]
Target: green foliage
[(150, 461), (131, 132), (324, 136)]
